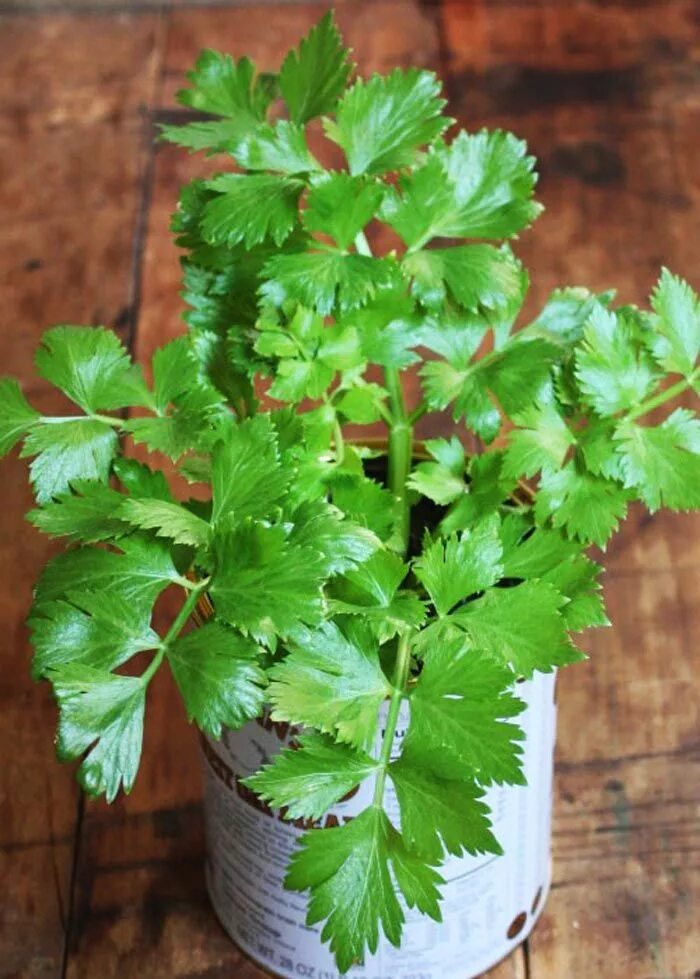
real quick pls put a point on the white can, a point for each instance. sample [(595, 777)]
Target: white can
[(490, 903)]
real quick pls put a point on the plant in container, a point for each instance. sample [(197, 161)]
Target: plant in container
[(372, 606)]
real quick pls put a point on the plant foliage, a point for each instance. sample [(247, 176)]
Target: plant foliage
[(326, 601)]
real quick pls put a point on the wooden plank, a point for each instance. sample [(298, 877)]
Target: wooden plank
[(513, 967), (138, 6), (607, 103), (627, 747), (512, 58), (38, 798), (70, 145), (640, 678), (71, 159), (75, 69), (627, 853)]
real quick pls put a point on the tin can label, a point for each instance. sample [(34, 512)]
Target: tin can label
[(490, 903)]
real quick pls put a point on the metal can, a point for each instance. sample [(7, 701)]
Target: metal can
[(490, 903)]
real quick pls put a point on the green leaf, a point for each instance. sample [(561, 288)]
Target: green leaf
[(381, 123), (101, 714), (565, 314), (197, 406), (372, 591), (16, 415), (442, 481), (477, 276), (67, 451), (521, 627), (249, 208), (613, 369), (90, 365), (223, 297), (365, 501), (341, 544), (417, 882), (340, 348), (532, 552), (219, 677), (443, 384), (311, 353), (588, 507), (175, 372), (458, 710), (308, 779), (99, 629), (576, 580), (313, 76), (381, 576), (331, 681), (494, 180), (347, 871), (247, 477), (340, 206), (598, 448), (678, 322), (167, 519), (226, 87), (173, 434), (541, 441), (389, 327), (521, 374), (88, 514), (453, 333), (480, 186), (516, 376), (487, 490), (551, 557), (438, 814), (322, 280), (362, 404), (183, 376), (139, 480), (281, 148), (216, 136), (299, 379), (465, 563), (263, 581), (138, 573), (663, 463), (275, 343)]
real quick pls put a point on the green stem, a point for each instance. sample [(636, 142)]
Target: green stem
[(403, 662), (663, 396), (57, 419), (339, 442), (400, 454), (418, 413), (400, 436), (176, 628)]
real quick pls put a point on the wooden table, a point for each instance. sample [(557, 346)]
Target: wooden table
[(608, 95)]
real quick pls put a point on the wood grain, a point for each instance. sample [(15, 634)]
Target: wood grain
[(607, 96), (71, 136)]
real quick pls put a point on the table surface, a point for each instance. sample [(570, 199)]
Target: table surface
[(608, 96)]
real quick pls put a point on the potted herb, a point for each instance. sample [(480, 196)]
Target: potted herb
[(373, 606)]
